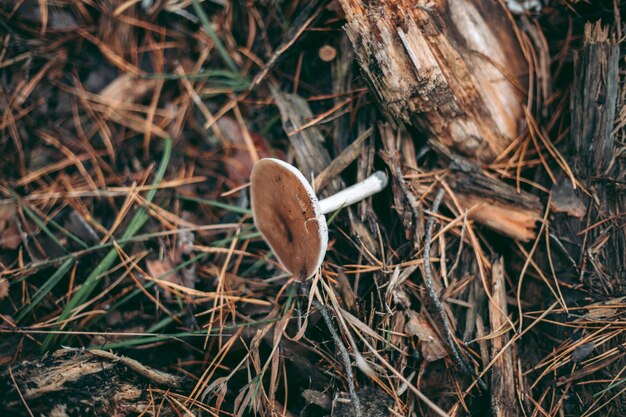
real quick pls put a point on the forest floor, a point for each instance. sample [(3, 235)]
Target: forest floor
[(133, 280)]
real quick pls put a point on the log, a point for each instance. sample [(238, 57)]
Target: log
[(452, 68), (586, 250)]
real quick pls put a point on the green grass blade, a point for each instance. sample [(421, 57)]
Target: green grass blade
[(242, 236), (160, 337), (44, 227), (40, 224), (46, 288), (69, 234), (215, 79), (218, 204), (201, 75), (140, 217), (48, 262), (161, 324), (333, 216), (610, 387), (216, 40), (145, 340)]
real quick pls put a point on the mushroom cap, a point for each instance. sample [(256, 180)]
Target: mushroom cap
[(287, 213)]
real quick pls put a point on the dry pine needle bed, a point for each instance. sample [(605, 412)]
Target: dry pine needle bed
[(476, 266)]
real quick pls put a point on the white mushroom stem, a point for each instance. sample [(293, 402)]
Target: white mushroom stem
[(355, 193)]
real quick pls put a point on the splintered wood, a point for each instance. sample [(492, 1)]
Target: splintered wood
[(452, 68), (503, 387), (485, 199), (86, 382), (445, 69)]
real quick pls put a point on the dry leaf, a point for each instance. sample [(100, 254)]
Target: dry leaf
[(321, 399), (582, 351), (10, 237), (127, 89), (398, 323), (77, 224), (7, 210), (564, 199), (159, 268), (605, 310), (163, 269), (184, 248), (4, 288), (432, 347), (238, 162)]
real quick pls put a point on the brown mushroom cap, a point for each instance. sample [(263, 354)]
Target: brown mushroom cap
[(287, 213)]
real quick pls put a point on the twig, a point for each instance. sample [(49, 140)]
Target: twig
[(20, 392), (428, 279), (345, 356)]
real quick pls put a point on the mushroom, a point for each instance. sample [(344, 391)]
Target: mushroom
[(290, 217)]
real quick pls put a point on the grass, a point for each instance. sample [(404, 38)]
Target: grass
[(135, 224), (208, 28), (45, 289)]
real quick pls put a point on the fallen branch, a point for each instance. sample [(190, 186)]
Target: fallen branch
[(430, 286)]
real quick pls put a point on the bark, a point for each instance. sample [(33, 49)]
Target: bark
[(586, 250), (490, 201), (451, 67), (503, 388), (589, 232), (73, 382), (487, 200)]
